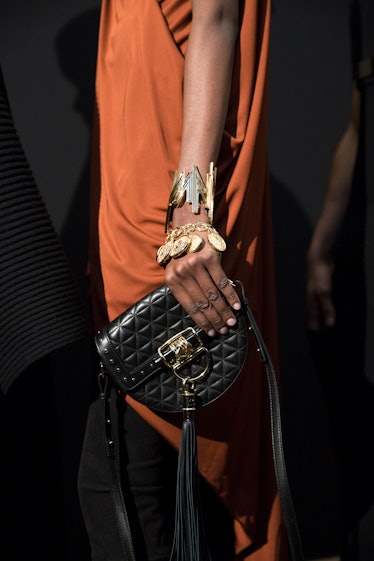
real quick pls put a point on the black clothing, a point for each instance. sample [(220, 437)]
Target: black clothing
[(40, 304)]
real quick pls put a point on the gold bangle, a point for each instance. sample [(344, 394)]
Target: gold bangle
[(191, 188)]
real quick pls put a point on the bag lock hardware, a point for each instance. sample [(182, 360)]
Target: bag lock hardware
[(182, 349)]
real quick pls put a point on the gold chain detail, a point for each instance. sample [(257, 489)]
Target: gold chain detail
[(184, 239)]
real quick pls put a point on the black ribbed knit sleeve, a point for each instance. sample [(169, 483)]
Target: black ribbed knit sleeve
[(40, 307)]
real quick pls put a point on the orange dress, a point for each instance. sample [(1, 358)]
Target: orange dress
[(138, 133)]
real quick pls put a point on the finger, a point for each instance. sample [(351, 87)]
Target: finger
[(206, 290), (327, 310), (215, 295), (198, 307), (215, 284), (313, 314), (206, 299), (204, 303), (227, 287)]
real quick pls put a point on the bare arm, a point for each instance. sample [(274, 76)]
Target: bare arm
[(321, 253), (197, 279), (207, 79)]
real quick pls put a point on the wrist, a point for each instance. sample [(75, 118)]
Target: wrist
[(319, 252), (184, 215), (192, 195)]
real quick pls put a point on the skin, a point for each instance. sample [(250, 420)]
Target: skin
[(197, 279), (321, 254)]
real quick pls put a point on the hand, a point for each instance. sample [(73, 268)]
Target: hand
[(320, 307), (201, 286)]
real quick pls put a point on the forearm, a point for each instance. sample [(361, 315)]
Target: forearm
[(197, 279), (338, 193), (207, 81), (339, 187)]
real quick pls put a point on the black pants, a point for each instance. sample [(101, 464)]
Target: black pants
[(148, 468)]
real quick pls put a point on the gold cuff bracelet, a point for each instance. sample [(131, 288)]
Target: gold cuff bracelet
[(191, 188)]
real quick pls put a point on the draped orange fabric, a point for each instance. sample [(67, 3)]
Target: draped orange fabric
[(139, 119)]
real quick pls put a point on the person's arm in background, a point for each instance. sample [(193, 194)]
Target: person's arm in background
[(321, 253), (197, 279)]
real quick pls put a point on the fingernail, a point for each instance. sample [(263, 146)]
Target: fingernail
[(237, 306), (231, 322), (211, 333), (223, 331)]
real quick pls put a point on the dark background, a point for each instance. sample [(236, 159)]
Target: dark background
[(48, 57)]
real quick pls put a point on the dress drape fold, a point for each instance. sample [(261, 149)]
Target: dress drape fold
[(139, 124)]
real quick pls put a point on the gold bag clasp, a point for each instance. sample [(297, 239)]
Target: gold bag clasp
[(182, 349)]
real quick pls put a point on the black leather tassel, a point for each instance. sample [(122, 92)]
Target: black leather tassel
[(189, 535)]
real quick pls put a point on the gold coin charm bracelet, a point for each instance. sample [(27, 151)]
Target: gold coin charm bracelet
[(185, 239)]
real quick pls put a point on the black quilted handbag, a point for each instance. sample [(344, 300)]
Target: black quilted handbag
[(158, 355), (154, 347)]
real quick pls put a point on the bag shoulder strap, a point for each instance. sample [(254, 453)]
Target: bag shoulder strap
[(288, 511), (111, 455)]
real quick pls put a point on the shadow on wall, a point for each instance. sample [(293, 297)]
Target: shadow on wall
[(328, 401), (76, 46), (310, 458), (43, 415), (339, 355)]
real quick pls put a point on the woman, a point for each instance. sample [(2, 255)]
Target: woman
[(183, 84)]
